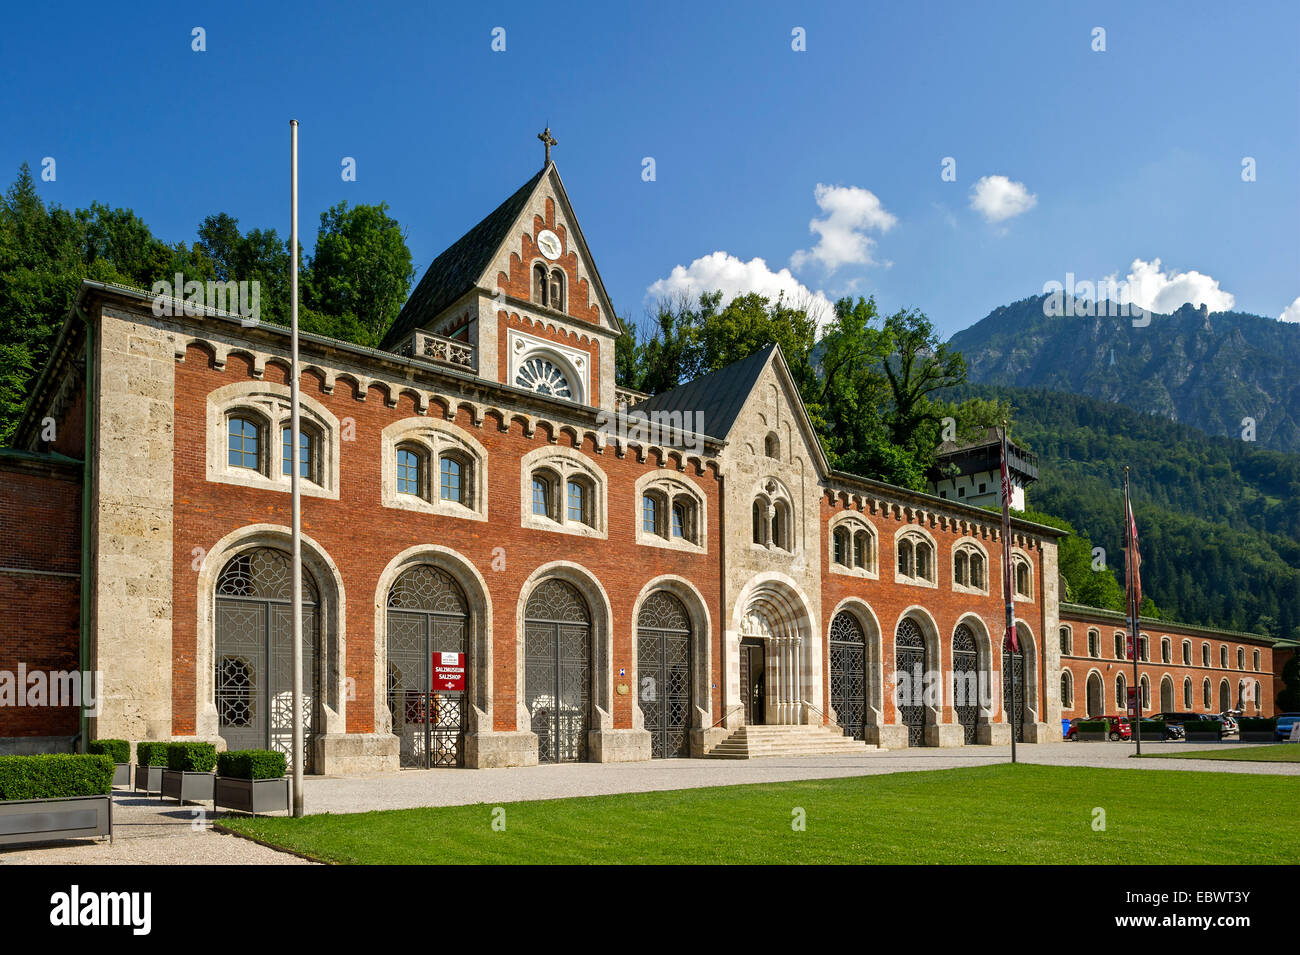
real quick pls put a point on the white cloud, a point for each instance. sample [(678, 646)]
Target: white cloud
[(1164, 292), (1291, 313), (724, 271), (850, 212), (998, 198)]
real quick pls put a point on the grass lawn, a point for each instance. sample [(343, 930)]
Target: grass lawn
[(1264, 753), (984, 814)]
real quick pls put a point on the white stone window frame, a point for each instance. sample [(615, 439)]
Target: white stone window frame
[(669, 490), (1187, 653), (1018, 557), (573, 362), (1068, 632), (854, 522), (565, 463), (433, 438), (915, 533), (1255, 660), (1094, 640), (268, 403), (1166, 650), (968, 546), (772, 492)]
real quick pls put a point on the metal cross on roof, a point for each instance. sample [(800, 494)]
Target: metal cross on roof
[(548, 141)]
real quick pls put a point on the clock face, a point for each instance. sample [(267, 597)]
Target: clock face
[(550, 244)]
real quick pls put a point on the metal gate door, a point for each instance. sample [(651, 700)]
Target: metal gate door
[(254, 654), (664, 674), (965, 681), (427, 614), (1014, 663), (557, 671), (910, 666), (849, 673)]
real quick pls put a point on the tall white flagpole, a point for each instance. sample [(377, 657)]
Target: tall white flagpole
[(294, 468)]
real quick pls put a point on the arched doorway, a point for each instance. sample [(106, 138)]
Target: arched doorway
[(664, 673), (911, 665), (254, 654), (1014, 695), (1096, 703), (1225, 697), (1166, 695), (427, 614), (557, 670), (965, 681), (848, 648)]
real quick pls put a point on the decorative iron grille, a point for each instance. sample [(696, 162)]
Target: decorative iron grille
[(1014, 664), (910, 665), (664, 674), (965, 681), (254, 654), (557, 671), (849, 673), (427, 614)]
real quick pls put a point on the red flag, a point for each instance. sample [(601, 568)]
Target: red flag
[(1007, 595), (1133, 562)]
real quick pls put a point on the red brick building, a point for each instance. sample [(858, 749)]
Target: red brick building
[(626, 576)]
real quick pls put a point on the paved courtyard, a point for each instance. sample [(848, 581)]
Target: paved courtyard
[(150, 831)]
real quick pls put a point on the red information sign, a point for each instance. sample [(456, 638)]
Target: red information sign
[(1129, 646), (1132, 702), (448, 672)]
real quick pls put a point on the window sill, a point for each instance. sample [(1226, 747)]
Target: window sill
[(533, 522), (678, 544), (418, 505), (860, 572), (915, 581), (976, 591), (243, 477)]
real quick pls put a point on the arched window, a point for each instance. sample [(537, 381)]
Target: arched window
[(544, 487), (1225, 701), (651, 511), (545, 377), (1144, 689), (905, 558), (539, 284), (1166, 650), (781, 531), (555, 291), (960, 570), (1187, 653), (1207, 694), (411, 471), (864, 559), (1241, 658), (978, 577), (1258, 705), (563, 491), (453, 479), (1187, 693), (1094, 644), (681, 529), (1067, 690), (1142, 648), (772, 445), (968, 567), (1166, 694), (915, 558), (1205, 656), (1023, 578), (924, 555), (1255, 659), (842, 544), (1067, 642), (1121, 646), (760, 520), (244, 442), (578, 501), (853, 545), (308, 453), (1121, 691), (1223, 657)]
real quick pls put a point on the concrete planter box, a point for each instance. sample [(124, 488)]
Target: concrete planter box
[(148, 779), (121, 774), (1091, 737), (49, 820), (1204, 736), (1258, 736), (251, 795), (187, 787)]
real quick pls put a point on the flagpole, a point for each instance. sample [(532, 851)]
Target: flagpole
[(1008, 642), (1132, 613), (295, 496)]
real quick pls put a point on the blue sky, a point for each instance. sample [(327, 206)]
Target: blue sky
[(1094, 159)]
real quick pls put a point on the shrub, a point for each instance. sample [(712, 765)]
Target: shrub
[(1255, 724), (1153, 729), (55, 776), (251, 764), (191, 757), (151, 754), (118, 750), (1093, 726), (1202, 726)]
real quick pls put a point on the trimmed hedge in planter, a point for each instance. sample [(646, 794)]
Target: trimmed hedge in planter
[(48, 798), (1152, 730), (150, 760), (119, 751), (55, 776), (191, 757), (251, 764), (1253, 729), (1092, 731), (1203, 731)]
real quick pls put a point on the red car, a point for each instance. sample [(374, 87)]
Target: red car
[(1119, 727)]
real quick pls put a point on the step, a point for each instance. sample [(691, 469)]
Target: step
[(757, 742)]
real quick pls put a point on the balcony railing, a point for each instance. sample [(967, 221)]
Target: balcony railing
[(445, 351), (625, 398)]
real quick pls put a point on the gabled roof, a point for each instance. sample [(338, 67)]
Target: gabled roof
[(719, 395), (457, 270)]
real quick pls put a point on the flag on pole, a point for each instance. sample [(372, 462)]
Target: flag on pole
[(1132, 561), (1007, 595)]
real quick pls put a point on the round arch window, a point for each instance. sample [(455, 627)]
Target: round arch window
[(544, 376)]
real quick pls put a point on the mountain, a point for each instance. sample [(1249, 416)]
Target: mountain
[(1219, 518), (1208, 370)]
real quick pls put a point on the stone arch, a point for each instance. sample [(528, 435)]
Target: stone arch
[(1094, 693), (934, 660), (874, 716), (331, 608), (987, 666), (697, 609), (773, 608)]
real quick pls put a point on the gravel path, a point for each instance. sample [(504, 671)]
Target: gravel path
[(150, 831)]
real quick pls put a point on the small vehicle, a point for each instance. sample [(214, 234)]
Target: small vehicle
[(1284, 723), (1176, 719), (1119, 728), (1229, 723)]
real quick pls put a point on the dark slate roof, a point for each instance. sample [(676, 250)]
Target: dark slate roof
[(719, 395), (454, 273)]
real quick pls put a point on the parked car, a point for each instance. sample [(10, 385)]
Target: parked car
[(1229, 723), (1284, 723), (1176, 718), (1120, 727)]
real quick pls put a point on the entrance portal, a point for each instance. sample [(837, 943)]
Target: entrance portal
[(753, 680)]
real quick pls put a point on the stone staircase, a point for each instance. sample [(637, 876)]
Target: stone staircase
[(752, 742)]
